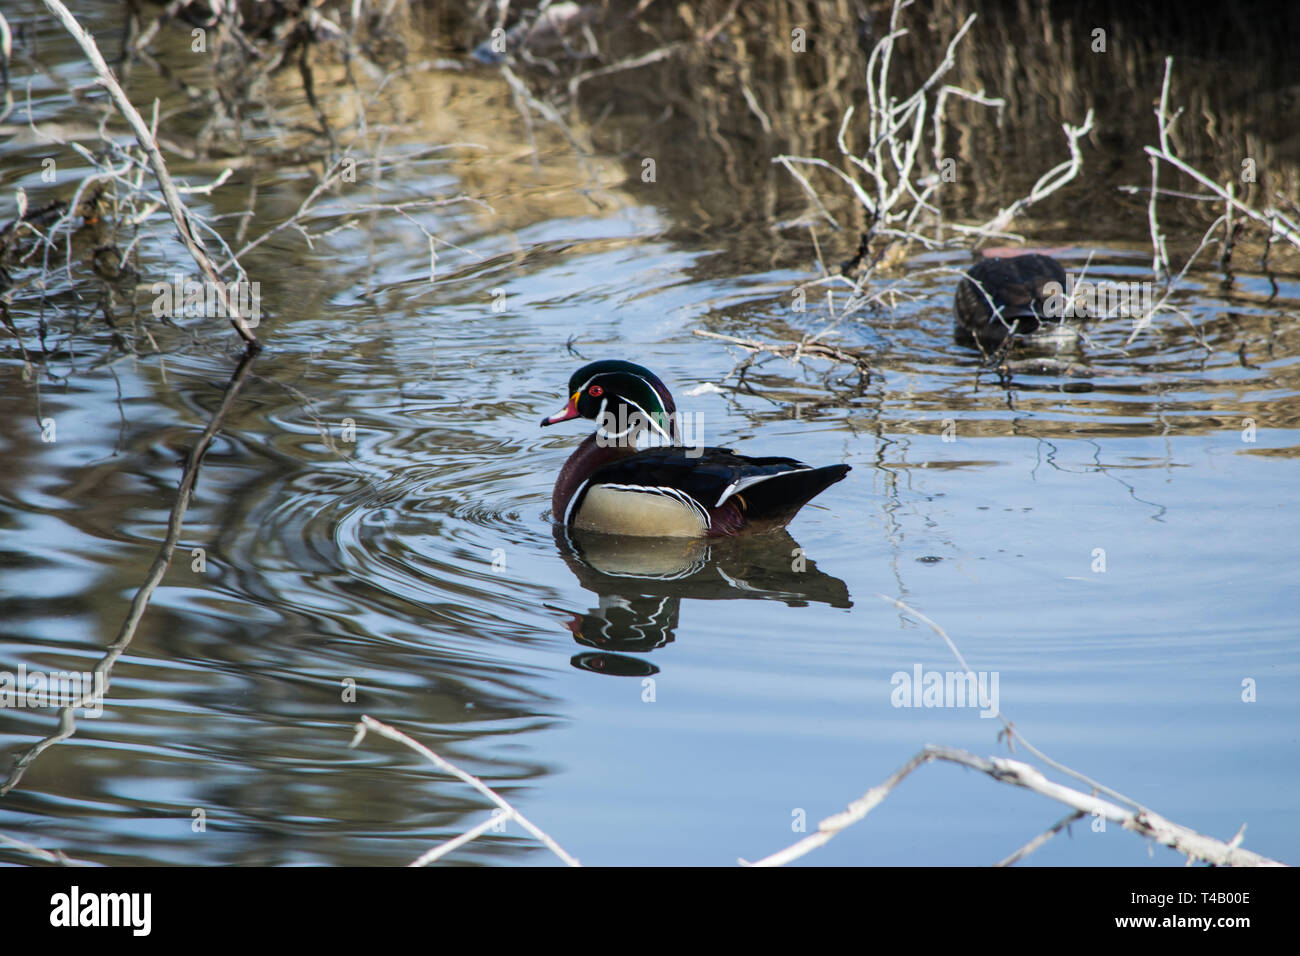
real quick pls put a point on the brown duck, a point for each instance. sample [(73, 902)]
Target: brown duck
[(1005, 295)]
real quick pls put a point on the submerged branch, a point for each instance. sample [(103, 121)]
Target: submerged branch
[(795, 350)]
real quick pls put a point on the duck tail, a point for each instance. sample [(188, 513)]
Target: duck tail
[(779, 499)]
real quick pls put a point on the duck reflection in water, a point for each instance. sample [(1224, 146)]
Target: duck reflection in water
[(640, 583)]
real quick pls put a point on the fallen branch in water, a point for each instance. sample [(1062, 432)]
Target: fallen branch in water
[(57, 857), (188, 234), (1154, 827), (795, 350), (507, 811), (1136, 817), (1042, 838), (1008, 728), (1172, 284)]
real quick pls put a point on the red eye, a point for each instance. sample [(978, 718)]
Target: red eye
[(595, 391)]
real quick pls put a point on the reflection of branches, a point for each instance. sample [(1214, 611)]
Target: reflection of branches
[(806, 346), (507, 812), (630, 63), (1139, 819), (1132, 491), (102, 671)]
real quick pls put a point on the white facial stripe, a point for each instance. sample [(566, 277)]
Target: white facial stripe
[(644, 415), (653, 424), (650, 420), (600, 417)]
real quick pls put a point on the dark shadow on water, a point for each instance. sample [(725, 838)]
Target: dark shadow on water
[(640, 583)]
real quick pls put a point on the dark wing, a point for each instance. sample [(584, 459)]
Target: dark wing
[(723, 483), (710, 478)]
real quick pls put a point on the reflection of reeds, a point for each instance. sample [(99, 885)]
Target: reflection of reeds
[(188, 227), (712, 91), (162, 560), (733, 94)]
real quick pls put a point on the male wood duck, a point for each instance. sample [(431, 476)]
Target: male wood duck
[(608, 486), (1007, 294)]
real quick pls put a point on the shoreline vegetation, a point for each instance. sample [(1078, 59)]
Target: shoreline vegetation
[(867, 134)]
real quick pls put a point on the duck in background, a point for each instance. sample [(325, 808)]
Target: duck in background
[(1003, 295)]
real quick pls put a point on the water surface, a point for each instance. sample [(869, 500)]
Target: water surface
[(644, 707)]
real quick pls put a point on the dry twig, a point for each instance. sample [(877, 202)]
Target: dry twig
[(1143, 822), (369, 723), (1137, 818), (795, 350), (189, 235)]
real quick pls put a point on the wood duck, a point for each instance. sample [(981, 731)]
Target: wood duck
[(1008, 294), (610, 486)]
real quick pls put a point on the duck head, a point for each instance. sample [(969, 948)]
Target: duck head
[(624, 400)]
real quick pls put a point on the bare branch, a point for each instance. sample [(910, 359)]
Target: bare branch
[(1154, 827), (192, 241), (369, 723)]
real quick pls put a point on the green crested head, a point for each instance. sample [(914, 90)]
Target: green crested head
[(621, 396)]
